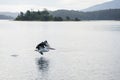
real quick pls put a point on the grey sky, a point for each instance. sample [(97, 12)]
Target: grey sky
[(22, 5)]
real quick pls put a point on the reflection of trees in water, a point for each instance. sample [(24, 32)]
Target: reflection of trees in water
[(43, 66)]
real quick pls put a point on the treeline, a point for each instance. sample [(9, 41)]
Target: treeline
[(69, 15), (42, 16), (110, 14)]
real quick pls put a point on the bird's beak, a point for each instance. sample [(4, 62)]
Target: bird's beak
[(52, 48)]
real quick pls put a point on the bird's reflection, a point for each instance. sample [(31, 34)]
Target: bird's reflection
[(43, 64), (43, 67)]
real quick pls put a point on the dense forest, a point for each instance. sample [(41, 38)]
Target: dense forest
[(42, 16), (110, 14), (69, 15)]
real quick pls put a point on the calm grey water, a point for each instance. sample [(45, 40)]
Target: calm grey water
[(86, 50)]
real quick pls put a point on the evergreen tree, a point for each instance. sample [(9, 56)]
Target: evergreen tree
[(58, 19), (68, 18), (76, 19)]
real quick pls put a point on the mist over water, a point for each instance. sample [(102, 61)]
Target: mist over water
[(86, 50)]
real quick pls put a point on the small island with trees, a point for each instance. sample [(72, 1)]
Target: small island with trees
[(41, 16)]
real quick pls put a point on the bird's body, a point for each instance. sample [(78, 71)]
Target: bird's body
[(43, 47)]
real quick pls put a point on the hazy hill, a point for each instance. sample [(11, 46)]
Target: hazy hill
[(115, 4), (5, 17), (110, 14), (64, 13), (12, 14)]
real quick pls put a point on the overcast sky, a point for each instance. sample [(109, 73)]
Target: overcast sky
[(23, 5)]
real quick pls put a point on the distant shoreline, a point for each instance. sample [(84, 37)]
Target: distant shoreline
[(52, 21), (66, 15), (42, 16)]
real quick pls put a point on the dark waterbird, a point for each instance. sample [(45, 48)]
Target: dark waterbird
[(43, 47)]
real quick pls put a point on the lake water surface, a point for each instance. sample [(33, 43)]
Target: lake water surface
[(86, 50)]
